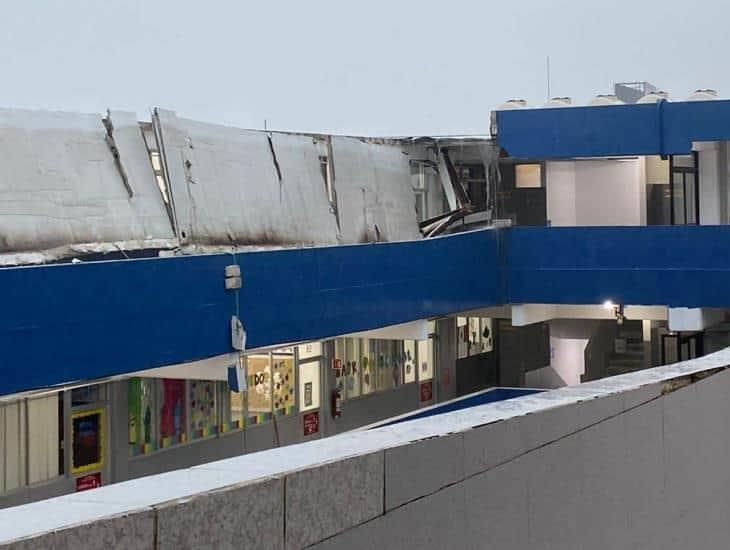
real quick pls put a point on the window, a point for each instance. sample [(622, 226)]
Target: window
[(309, 385), (233, 408), (409, 362), (141, 403), (283, 383), (528, 176), (203, 409), (367, 370), (351, 368), (259, 388), (87, 437), (425, 355), (173, 423)]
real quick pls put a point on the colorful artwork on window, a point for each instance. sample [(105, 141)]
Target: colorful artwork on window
[(259, 388), (283, 384), (141, 407), (203, 412), (367, 366), (172, 413)]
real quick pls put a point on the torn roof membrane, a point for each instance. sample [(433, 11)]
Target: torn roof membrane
[(76, 184)]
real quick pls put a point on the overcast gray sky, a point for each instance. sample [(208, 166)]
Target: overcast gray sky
[(375, 67)]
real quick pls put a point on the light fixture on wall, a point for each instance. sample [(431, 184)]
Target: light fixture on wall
[(618, 311)]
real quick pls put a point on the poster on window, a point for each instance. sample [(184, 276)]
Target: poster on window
[(283, 384), (87, 437), (141, 407), (173, 418), (309, 385), (203, 411), (259, 388)]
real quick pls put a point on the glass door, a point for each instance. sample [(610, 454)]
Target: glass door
[(684, 192)]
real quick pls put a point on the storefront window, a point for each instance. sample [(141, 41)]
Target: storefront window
[(142, 429), (309, 385), (173, 418), (203, 411), (233, 408), (367, 363), (409, 361), (259, 388), (283, 383)]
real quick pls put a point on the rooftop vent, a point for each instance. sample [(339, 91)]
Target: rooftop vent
[(513, 104), (654, 97), (605, 99), (559, 102), (703, 95)]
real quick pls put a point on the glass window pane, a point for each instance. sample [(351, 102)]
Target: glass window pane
[(173, 417), (259, 388), (338, 367), (528, 175), (689, 199), (678, 190), (386, 365), (43, 440), (351, 368), (87, 436), (486, 335), (88, 395), (309, 385), (232, 407), (409, 366), (141, 408), (369, 372), (283, 384), (684, 161), (203, 409), (425, 361)]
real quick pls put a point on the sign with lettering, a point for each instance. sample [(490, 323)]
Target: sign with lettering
[(310, 422), (91, 481)]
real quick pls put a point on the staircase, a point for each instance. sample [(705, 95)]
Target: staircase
[(629, 350)]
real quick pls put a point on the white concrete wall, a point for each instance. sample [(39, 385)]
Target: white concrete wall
[(634, 461), (596, 192), (560, 178)]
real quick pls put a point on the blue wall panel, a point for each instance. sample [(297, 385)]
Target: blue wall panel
[(615, 130), (681, 266), (62, 323)]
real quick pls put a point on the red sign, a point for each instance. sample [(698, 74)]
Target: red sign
[(426, 390), (91, 481), (337, 367), (311, 423)]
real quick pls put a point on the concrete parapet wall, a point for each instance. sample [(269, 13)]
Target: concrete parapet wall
[(636, 461)]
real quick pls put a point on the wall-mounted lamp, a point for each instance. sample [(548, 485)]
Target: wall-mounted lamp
[(618, 311)]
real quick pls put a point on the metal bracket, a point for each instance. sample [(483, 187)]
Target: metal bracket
[(233, 277)]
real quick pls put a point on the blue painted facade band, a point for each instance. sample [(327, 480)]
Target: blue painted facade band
[(62, 323), (663, 128)]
